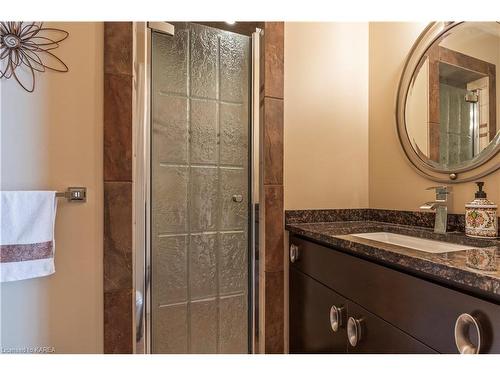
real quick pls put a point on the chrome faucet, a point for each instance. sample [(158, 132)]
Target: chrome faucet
[(440, 205)]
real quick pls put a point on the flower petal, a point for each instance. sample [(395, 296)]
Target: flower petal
[(55, 35), (7, 72), (29, 29), (4, 28), (30, 84), (34, 60), (47, 37), (9, 67), (4, 53), (12, 27), (14, 57), (32, 46), (41, 43), (52, 62)]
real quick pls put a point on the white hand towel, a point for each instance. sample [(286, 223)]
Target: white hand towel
[(27, 234)]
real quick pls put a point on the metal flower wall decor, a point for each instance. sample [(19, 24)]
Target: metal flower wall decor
[(27, 46)]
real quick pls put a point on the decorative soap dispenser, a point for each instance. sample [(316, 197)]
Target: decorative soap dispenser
[(481, 216)]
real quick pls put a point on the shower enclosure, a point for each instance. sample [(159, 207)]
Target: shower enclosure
[(458, 123), (194, 260), (464, 132)]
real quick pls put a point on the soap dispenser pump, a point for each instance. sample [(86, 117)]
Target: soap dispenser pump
[(481, 216)]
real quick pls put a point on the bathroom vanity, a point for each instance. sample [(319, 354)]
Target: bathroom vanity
[(352, 294)]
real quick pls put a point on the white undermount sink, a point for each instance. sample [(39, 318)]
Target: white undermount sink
[(421, 244)]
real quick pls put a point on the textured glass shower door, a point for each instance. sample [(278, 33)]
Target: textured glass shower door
[(200, 191), (457, 125)]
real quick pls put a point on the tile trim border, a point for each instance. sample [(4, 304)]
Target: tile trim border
[(117, 173), (272, 220)]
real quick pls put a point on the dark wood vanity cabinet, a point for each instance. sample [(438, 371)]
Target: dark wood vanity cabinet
[(381, 310), (311, 330)]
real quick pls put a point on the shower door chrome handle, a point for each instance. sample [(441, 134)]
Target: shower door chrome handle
[(238, 198)]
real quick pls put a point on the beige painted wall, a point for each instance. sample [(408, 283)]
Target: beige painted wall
[(326, 115), (52, 139), (393, 183)]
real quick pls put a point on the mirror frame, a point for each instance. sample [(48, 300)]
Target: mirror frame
[(483, 164)]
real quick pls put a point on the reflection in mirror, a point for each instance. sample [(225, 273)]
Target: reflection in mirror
[(451, 108)]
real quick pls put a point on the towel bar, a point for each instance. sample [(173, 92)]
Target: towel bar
[(74, 194)]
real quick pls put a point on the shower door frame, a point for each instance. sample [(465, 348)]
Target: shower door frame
[(141, 191)]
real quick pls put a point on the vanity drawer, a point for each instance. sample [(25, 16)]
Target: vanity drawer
[(373, 335), (310, 322), (423, 309)]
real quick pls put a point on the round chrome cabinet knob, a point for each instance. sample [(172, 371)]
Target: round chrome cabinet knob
[(464, 325), (238, 198), (336, 317), (294, 253), (354, 334)]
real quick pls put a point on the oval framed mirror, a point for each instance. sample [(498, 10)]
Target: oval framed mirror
[(448, 104)]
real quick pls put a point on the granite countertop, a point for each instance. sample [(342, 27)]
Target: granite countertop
[(448, 268)]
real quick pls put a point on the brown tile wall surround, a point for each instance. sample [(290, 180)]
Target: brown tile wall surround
[(271, 335), (117, 127), (274, 312), (274, 239), (118, 243), (118, 292), (273, 141), (118, 322), (274, 38)]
